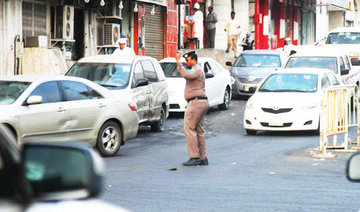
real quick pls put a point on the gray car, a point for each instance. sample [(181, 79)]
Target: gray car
[(140, 77), (251, 67)]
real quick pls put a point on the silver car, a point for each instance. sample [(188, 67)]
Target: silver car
[(66, 109), (251, 67), (139, 77)]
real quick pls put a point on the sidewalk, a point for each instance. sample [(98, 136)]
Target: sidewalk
[(217, 54)]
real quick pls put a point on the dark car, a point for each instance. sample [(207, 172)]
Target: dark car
[(251, 67), (49, 177)]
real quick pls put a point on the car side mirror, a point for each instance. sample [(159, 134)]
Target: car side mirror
[(252, 89), (34, 100), (228, 63), (209, 75), (344, 71), (353, 168), (142, 82), (60, 172)]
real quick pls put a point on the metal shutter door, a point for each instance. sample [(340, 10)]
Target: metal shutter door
[(154, 32), (34, 19)]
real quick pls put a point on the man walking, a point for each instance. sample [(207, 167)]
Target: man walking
[(195, 110), (232, 28), (210, 21)]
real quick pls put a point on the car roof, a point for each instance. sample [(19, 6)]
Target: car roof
[(303, 70), (259, 51), (345, 29), (172, 60), (319, 53), (109, 58)]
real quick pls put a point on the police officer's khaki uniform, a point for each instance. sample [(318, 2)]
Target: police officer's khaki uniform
[(195, 110)]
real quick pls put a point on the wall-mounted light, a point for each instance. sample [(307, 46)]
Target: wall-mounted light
[(102, 3), (136, 8), (153, 10), (86, 1), (121, 6)]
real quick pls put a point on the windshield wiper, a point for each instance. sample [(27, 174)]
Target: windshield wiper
[(265, 90), (111, 86), (289, 90)]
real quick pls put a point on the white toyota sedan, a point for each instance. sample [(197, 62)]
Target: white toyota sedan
[(288, 100), (217, 87)]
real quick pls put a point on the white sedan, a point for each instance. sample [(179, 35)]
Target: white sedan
[(287, 100), (217, 88), (66, 109)]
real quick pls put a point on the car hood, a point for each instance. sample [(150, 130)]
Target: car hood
[(254, 72), (284, 99)]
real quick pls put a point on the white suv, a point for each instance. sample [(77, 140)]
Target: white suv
[(139, 76)]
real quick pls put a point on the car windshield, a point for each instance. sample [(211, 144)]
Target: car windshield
[(290, 82), (109, 75), (170, 69), (313, 62), (343, 38), (11, 90), (258, 60)]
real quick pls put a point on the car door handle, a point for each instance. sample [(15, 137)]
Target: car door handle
[(60, 109), (102, 105)]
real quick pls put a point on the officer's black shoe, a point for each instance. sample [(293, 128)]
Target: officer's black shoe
[(204, 162), (192, 162)]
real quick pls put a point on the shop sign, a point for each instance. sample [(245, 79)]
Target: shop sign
[(158, 2)]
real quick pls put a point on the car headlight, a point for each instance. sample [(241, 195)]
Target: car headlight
[(309, 105)]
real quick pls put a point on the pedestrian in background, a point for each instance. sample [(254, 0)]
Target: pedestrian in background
[(195, 110), (288, 48), (210, 22), (248, 42), (198, 22), (232, 28), (123, 50)]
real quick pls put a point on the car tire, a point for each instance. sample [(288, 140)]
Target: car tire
[(109, 139), (250, 132), (226, 101), (159, 125)]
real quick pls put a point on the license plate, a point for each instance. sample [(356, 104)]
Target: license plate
[(275, 122)]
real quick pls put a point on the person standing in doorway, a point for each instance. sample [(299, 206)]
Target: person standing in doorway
[(232, 28), (198, 22), (210, 22), (196, 108)]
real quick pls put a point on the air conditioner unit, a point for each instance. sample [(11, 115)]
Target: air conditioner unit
[(64, 22), (111, 34)]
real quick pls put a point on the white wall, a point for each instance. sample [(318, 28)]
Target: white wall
[(322, 23)]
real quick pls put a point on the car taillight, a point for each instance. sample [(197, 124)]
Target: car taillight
[(132, 106)]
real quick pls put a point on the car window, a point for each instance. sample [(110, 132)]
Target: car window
[(110, 75), (342, 64), (347, 62), (325, 82), (159, 71), (49, 91), (11, 90), (313, 62), (343, 38), (170, 69), (138, 73), (149, 71), (207, 68), (333, 79), (214, 67), (258, 60), (77, 91), (290, 82)]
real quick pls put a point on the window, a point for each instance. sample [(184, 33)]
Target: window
[(342, 64), (77, 91), (215, 69), (325, 81), (49, 91), (149, 71), (333, 79), (138, 73)]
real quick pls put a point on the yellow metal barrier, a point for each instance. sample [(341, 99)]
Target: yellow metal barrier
[(339, 112)]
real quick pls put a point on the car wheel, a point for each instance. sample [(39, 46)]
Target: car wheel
[(226, 102), (109, 139), (251, 132), (159, 125)]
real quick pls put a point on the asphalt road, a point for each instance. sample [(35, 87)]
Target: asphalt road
[(267, 172)]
